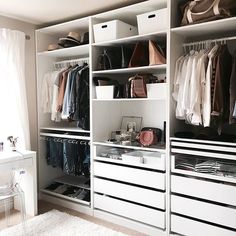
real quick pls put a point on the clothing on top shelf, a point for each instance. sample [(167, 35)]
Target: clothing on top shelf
[(203, 89), (72, 156), (65, 94)]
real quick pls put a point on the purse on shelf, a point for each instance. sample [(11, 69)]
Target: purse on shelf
[(139, 56), (198, 11), (156, 54), (149, 136), (109, 59)]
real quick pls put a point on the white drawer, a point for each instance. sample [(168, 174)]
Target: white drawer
[(131, 193), (130, 175), (185, 226), (222, 193), (129, 210), (205, 211)]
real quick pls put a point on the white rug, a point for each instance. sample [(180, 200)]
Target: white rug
[(56, 223)]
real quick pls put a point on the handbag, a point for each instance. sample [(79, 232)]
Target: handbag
[(198, 11), (126, 54), (109, 59), (156, 54), (139, 56), (136, 86), (149, 136)]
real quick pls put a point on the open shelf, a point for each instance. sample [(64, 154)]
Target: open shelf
[(127, 100), (72, 129), (224, 26), (81, 50), (65, 197), (160, 148), (160, 35), (77, 181), (144, 69)]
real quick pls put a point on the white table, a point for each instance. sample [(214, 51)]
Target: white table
[(23, 160)]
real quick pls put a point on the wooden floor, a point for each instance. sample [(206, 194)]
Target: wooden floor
[(45, 207)]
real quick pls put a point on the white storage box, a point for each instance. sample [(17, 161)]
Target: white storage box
[(112, 30), (105, 92), (152, 21), (156, 91), (147, 159)]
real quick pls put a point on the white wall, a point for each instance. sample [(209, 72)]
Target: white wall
[(28, 29)]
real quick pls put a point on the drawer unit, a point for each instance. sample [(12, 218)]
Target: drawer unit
[(129, 210), (131, 193), (142, 177), (212, 191), (185, 226), (213, 213), (145, 159)]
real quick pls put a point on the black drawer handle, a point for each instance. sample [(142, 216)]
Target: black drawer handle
[(151, 16), (104, 26)]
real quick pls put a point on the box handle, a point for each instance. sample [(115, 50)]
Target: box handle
[(104, 26), (151, 16)]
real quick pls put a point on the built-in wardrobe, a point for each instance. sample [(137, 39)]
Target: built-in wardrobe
[(81, 169)]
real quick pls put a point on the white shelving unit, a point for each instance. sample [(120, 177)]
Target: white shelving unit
[(162, 209)]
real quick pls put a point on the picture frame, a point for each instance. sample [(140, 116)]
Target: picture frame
[(131, 123)]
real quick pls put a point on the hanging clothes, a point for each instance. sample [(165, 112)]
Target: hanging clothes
[(72, 156), (232, 117), (65, 94), (201, 86)]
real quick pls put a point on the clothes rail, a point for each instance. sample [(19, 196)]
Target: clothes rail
[(64, 136), (209, 41), (72, 61)]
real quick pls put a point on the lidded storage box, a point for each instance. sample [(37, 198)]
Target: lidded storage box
[(157, 91), (112, 30), (152, 21), (105, 92)]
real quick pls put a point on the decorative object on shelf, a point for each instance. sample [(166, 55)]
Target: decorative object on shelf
[(72, 39), (149, 136), (140, 55), (152, 21), (205, 10), (131, 123), (156, 54), (13, 142)]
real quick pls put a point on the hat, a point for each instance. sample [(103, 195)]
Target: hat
[(52, 47), (72, 39)]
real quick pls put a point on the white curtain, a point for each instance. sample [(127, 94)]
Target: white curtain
[(14, 119)]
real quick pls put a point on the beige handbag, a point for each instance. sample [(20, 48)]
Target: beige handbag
[(198, 11), (156, 54)]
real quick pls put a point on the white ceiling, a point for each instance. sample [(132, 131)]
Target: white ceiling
[(44, 12)]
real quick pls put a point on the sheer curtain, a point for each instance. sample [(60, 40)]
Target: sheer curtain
[(13, 104)]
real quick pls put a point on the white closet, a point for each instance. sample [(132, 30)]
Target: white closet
[(157, 197)]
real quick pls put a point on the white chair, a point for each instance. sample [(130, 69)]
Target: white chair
[(8, 191)]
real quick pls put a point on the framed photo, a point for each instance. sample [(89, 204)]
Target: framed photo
[(131, 123)]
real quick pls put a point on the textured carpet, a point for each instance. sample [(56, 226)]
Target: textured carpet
[(56, 223)]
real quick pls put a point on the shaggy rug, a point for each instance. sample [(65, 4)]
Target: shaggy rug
[(56, 223)]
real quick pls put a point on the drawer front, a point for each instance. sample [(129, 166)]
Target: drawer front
[(185, 226), (131, 193), (19, 164), (204, 189), (205, 211), (131, 175), (143, 214)]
